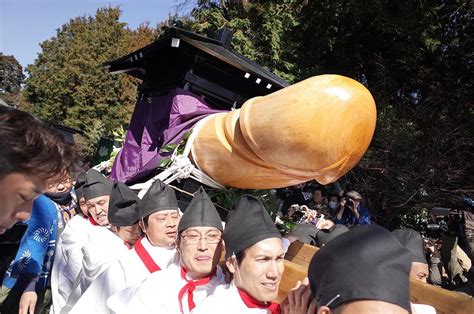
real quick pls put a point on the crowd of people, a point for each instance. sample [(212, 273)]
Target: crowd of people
[(321, 213), (313, 203), (91, 245)]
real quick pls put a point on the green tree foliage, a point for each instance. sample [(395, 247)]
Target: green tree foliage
[(11, 81), (414, 56), (11, 75), (68, 83), (262, 30)]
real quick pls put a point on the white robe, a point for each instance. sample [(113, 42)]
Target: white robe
[(226, 299), (101, 250), (422, 309), (127, 271), (68, 260), (159, 293)]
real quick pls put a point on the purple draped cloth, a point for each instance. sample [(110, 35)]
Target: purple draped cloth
[(153, 125)]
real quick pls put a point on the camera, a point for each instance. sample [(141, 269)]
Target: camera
[(302, 214), (446, 221)]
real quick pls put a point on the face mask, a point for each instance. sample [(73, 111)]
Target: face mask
[(62, 198), (332, 204)]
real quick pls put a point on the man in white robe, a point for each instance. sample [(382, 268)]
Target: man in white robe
[(68, 260), (68, 255), (113, 208), (159, 218), (180, 288), (254, 255)]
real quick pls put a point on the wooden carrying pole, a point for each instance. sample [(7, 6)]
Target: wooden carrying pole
[(316, 129)]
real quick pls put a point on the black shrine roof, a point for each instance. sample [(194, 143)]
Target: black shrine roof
[(204, 65)]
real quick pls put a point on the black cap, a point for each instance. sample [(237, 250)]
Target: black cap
[(248, 223), (79, 193), (122, 206), (80, 181), (201, 212), (96, 185), (413, 241), (325, 235), (159, 197), (365, 263)]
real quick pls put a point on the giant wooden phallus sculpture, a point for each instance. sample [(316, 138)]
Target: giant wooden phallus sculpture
[(316, 129)]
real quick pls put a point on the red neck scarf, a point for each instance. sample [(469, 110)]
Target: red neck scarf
[(189, 287), (145, 257), (92, 221), (250, 302)]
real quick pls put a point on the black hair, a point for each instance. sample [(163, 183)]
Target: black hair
[(145, 221), (240, 257)]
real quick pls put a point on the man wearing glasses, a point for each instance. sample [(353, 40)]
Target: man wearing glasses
[(60, 192), (158, 214), (68, 256), (254, 255), (27, 279), (181, 287)]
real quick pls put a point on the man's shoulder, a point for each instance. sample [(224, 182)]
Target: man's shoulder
[(162, 279), (130, 264), (224, 296), (223, 290), (43, 206), (102, 245), (76, 224)]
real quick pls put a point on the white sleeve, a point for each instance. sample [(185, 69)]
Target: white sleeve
[(132, 300)]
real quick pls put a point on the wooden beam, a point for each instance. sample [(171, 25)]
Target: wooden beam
[(301, 253), (444, 301), (293, 273)]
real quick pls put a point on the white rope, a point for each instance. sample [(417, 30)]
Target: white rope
[(107, 164), (181, 167), (103, 165)]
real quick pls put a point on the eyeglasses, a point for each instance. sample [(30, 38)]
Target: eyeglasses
[(56, 184), (195, 238)]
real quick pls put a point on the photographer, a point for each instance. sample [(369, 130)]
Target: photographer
[(351, 212), (445, 226), (467, 208)]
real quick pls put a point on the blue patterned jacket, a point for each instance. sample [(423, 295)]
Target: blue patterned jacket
[(31, 268)]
